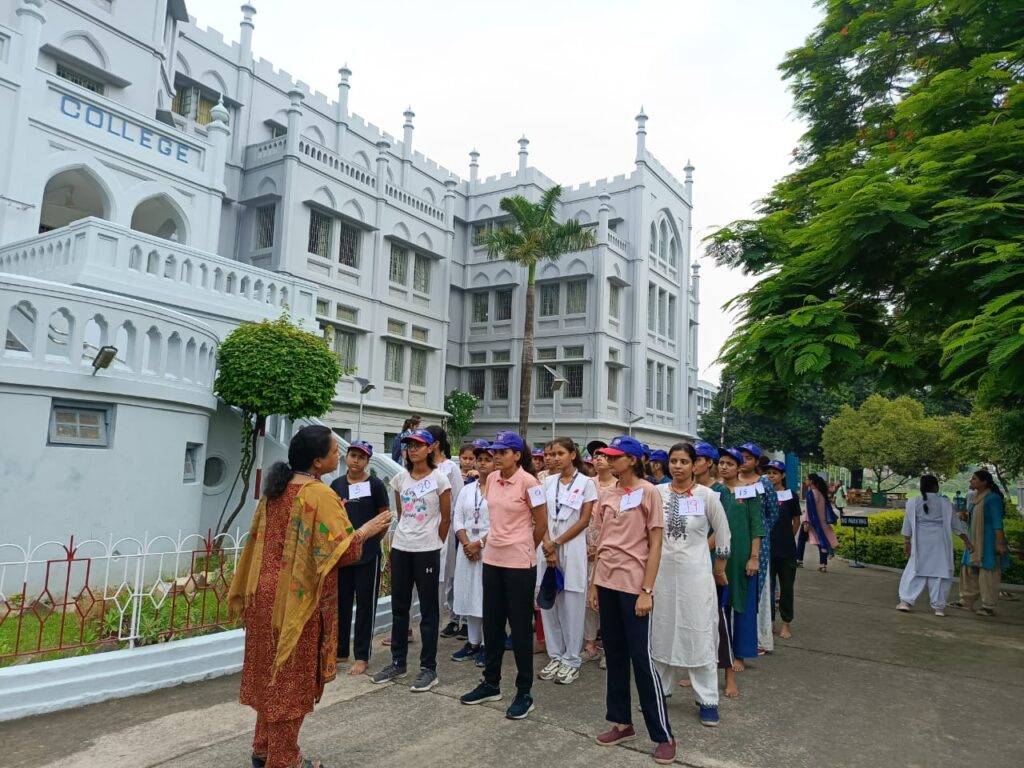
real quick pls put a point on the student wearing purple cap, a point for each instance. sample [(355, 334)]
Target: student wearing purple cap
[(423, 496), (518, 518), (365, 497), (657, 468), (751, 475), (783, 546)]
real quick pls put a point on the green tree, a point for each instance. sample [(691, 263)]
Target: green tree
[(267, 368), (461, 407), (991, 437), (534, 236), (893, 438), (897, 243)]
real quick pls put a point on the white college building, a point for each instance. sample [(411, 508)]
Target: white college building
[(159, 185)]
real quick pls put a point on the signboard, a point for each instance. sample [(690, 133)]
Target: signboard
[(854, 521)]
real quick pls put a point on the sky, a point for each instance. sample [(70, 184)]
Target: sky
[(571, 76)]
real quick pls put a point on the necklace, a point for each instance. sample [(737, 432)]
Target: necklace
[(305, 474), (687, 491)]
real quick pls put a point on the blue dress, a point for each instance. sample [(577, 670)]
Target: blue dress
[(993, 511)]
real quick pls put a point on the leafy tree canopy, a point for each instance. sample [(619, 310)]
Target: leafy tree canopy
[(893, 438), (897, 244), (461, 408), (991, 437)]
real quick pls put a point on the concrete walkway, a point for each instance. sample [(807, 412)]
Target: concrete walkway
[(859, 685)]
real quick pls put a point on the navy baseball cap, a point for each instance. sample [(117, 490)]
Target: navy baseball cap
[(481, 443), (659, 455), (595, 445), (508, 441), (734, 453), (538, 452), (624, 445), (647, 449), (752, 448), (361, 445), (419, 436), (707, 450), (777, 465), (588, 459)]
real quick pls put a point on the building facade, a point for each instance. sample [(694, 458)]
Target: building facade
[(162, 185), (706, 391)]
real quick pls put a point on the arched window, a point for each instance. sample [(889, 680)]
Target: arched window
[(158, 216), (663, 241), (673, 255), (72, 195), (654, 238)]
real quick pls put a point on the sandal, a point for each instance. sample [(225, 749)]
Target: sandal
[(258, 761), (311, 764), (822, 569)]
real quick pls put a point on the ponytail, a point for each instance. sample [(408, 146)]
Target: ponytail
[(929, 484)]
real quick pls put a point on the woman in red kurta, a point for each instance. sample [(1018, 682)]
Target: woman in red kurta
[(286, 583)]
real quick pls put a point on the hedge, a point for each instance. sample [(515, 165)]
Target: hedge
[(882, 544)]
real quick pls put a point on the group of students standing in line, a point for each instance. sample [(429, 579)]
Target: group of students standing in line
[(662, 570)]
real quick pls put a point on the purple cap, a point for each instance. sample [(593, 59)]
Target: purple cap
[(734, 453), (538, 452), (624, 445), (752, 448), (419, 436), (508, 441), (777, 465), (481, 443), (647, 449), (707, 450), (661, 456), (588, 459), (361, 445)]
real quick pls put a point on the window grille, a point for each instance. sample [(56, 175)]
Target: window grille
[(572, 352), (396, 327), (418, 366), (394, 362), (421, 273), (503, 304), (573, 375), (83, 81), (345, 349), (265, 226), (399, 271), (547, 353), (499, 384), (319, 234), (420, 334), (477, 358), (549, 295), (576, 297), (348, 249), (347, 314), (501, 356), (477, 383), (614, 295), (480, 307), (613, 385)]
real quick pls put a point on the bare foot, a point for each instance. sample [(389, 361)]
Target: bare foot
[(731, 691), (739, 666), (785, 634), (685, 683), (358, 668)]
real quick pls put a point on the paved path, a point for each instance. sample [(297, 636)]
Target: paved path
[(859, 685)]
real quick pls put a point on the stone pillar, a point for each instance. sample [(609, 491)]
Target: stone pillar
[(343, 88), (524, 155), (474, 169), (219, 135), (407, 130), (641, 137), (245, 36), (603, 212), (295, 98), (30, 22), (688, 182)]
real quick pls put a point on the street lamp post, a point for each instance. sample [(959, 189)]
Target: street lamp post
[(556, 385), (632, 421), (364, 387)]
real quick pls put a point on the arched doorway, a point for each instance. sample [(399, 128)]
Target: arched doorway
[(160, 217), (72, 195)]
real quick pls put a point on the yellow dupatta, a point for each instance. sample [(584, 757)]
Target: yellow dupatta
[(318, 534)]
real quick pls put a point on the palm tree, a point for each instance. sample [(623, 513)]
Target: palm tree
[(533, 235)]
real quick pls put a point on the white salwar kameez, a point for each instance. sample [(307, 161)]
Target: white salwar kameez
[(931, 549), (471, 516), (684, 622)]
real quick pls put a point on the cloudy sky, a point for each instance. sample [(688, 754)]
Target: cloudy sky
[(570, 75)]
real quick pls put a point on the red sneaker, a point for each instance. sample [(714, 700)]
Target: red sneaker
[(665, 752), (616, 735)]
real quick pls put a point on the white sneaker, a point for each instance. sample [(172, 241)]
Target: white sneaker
[(939, 612), (603, 663), (905, 607), (550, 670), (567, 675)]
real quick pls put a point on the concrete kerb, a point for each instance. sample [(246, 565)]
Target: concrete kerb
[(51, 686)]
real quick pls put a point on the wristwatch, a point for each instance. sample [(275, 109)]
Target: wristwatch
[(647, 590)]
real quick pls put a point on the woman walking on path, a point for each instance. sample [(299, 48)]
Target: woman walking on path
[(818, 520), (628, 556), (751, 474), (746, 528), (783, 547), (518, 517), (929, 524), (684, 622), (570, 497), (365, 497), (285, 585), (982, 568)]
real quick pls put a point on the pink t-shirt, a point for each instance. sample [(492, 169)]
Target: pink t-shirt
[(623, 548), (510, 542)]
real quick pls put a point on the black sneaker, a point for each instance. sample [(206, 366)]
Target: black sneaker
[(480, 694), (450, 630), (463, 633), (521, 706), (425, 680), (391, 672)]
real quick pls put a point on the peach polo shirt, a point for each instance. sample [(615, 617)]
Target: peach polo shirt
[(623, 548), (510, 541)]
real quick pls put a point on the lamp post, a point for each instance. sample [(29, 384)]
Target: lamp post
[(364, 387), (556, 384), (632, 421)]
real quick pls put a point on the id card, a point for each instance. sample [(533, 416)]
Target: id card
[(784, 495), (692, 506), (537, 497), (358, 490), (746, 492), (574, 500), (760, 488), (631, 500), (424, 486)]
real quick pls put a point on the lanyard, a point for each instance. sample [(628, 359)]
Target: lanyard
[(560, 498), (477, 503)]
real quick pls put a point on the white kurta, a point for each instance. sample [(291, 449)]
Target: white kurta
[(684, 623), (931, 534), (565, 503), (470, 516)]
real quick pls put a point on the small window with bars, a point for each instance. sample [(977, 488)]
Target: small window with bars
[(347, 314), (477, 358), (660, 382), (481, 305), (576, 297), (418, 367), (319, 234), (420, 334), (503, 304), (671, 317), (613, 385), (477, 383), (323, 307), (348, 248), (345, 349), (501, 356), (547, 353), (421, 273), (573, 375), (614, 296), (396, 327), (83, 81), (499, 384), (394, 362), (650, 384), (652, 307), (399, 270), (545, 382), (549, 295), (670, 388), (265, 215), (571, 353)]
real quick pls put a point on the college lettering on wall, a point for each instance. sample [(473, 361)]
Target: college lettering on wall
[(126, 130)]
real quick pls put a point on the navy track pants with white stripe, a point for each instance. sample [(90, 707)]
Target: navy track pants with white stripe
[(627, 638)]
